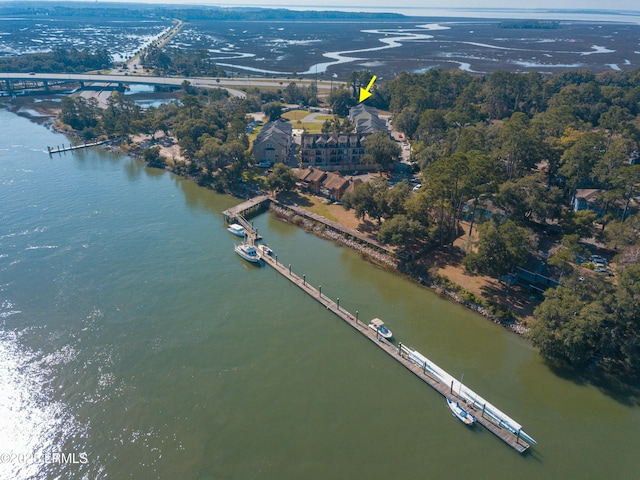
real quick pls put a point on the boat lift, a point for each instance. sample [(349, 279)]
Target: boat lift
[(498, 417)]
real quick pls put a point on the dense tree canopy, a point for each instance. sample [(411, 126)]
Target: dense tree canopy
[(57, 61), (282, 179), (380, 150), (500, 249), (589, 320)]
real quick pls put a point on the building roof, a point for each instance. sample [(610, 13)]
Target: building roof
[(279, 130), (362, 108), (587, 194), (335, 181), (316, 175), (353, 184), (303, 173), (366, 119), (331, 139)]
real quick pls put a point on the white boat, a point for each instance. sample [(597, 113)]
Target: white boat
[(248, 252), (264, 248), (460, 413), (236, 229), (378, 325)]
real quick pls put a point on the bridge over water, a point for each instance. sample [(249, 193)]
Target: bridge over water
[(229, 84)]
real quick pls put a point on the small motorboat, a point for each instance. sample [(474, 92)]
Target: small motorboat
[(236, 229), (264, 248), (460, 413), (378, 325), (248, 252)]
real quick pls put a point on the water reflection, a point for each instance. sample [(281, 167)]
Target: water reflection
[(34, 428)]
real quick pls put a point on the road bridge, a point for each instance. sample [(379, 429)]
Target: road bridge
[(229, 84)]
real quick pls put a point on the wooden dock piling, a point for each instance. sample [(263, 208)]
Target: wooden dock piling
[(70, 148)]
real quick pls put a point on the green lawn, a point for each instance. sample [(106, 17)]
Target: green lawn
[(295, 115), (319, 208), (254, 134)]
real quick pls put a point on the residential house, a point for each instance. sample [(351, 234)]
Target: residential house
[(335, 185), (329, 184), (366, 119), (274, 143), (586, 199), (311, 178)]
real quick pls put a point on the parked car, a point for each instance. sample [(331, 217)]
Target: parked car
[(417, 187), (603, 269), (598, 260), (264, 164)]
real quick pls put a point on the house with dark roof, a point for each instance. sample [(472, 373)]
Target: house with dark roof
[(335, 185), (329, 184), (274, 143), (311, 178), (366, 119)]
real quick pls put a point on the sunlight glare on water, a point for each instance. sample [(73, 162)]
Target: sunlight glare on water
[(33, 428)]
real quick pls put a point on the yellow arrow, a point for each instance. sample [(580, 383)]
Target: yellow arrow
[(365, 93)]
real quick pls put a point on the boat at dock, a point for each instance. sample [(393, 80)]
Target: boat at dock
[(265, 249), (236, 229), (460, 413), (379, 326), (248, 252)]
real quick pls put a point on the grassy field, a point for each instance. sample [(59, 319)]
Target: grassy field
[(318, 207), (295, 115)]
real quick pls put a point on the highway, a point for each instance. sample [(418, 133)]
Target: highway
[(230, 84)]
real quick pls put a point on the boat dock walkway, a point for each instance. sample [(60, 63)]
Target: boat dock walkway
[(244, 208), (256, 204), (486, 415), (362, 238), (250, 231), (60, 149)]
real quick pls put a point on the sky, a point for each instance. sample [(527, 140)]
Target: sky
[(392, 4)]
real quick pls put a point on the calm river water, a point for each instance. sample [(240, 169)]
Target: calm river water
[(135, 344)]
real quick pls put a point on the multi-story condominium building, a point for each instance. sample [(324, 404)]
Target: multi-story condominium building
[(342, 151), (274, 143), (333, 151)]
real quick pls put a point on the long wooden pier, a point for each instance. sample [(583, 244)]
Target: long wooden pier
[(399, 353), (60, 149)]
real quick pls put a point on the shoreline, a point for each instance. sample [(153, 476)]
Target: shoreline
[(397, 267), (438, 284)]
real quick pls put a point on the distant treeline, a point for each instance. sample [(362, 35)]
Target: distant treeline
[(186, 13), (531, 24), (59, 60)]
